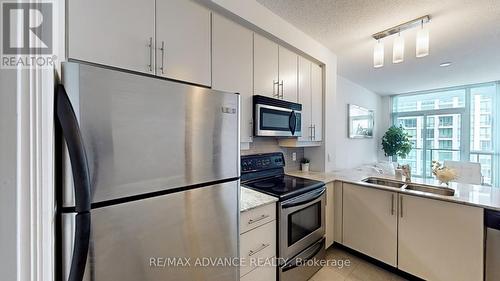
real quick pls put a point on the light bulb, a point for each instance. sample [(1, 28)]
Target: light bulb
[(378, 55), (422, 48), (398, 50)]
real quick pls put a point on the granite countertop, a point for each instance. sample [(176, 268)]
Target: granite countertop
[(251, 199), (469, 194)]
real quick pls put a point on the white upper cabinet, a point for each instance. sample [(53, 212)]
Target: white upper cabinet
[(439, 240), (265, 67), (370, 222), (101, 32), (310, 95), (305, 98), (316, 102), (287, 74), (183, 40), (232, 55)]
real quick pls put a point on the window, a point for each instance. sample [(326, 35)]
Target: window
[(485, 145), (430, 133), (485, 120), (485, 106), (412, 133), (430, 122), (428, 105), (430, 101), (443, 123), (409, 123), (484, 133), (445, 156), (445, 144), (446, 133)]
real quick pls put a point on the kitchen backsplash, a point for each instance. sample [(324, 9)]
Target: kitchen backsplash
[(266, 145)]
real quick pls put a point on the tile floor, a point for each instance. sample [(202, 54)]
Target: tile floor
[(357, 270)]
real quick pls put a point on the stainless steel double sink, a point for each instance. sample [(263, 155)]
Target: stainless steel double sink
[(411, 186)]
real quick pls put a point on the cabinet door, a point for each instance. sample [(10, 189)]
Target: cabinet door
[(183, 29), (232, 55), (265, 67), (317, 101), (329, 215), (439, 240), (370, 222), (305, 98), (101, 31), (287, 74), (267, 273)]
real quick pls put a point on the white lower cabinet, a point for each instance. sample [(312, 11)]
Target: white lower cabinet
[(370, 222), (329, 215), (267, 273), (258, 244), (431, 239), (440, 241)]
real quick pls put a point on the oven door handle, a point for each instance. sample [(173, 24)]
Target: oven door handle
[(294, 264), (304, 200)]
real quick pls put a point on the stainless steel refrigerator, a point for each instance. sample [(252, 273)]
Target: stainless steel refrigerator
[(149, 172)]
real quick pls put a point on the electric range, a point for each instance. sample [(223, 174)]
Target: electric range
[(301, 212)]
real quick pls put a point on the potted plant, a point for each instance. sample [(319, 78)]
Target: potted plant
[(396, 142), (304, 165)]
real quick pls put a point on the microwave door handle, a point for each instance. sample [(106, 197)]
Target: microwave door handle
[(292, 122), (68, 125), (303, 201)]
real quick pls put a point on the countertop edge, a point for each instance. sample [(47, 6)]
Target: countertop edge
[(336, 176), (251, 199)]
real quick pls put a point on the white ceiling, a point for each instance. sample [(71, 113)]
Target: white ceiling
[(465, 32)]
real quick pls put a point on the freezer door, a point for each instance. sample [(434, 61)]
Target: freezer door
[(135, 240), (145, 134)]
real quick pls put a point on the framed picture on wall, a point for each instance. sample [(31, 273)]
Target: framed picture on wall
[(361, 122)]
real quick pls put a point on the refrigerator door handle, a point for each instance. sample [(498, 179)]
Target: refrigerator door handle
[(81, 246), (79, 166), (66, 118)]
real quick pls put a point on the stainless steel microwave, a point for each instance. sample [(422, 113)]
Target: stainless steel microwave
[(276, 118)]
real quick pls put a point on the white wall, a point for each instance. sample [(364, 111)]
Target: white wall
[(8, 198), (350, 153)]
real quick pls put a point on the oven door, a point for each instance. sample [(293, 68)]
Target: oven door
[(302, 222), (273, 121)]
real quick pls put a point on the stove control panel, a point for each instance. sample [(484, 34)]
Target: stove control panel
[(260, 162)]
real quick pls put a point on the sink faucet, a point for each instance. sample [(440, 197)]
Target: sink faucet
[(406, 169)]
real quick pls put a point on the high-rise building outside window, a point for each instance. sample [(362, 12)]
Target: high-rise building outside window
[(459, 123)]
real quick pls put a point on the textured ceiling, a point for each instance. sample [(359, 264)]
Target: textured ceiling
[(465, 32)]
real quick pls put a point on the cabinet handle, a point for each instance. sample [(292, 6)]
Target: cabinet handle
[(150, 65), (311, 132), (251, 128), (162, 49), (314, 131), (252, 221), (276, 93), (401, 205), (392, 204), (282, 89), (262, 247)]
